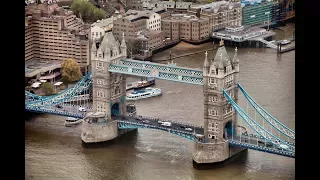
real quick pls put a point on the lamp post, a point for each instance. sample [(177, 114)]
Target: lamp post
[(268, 18)]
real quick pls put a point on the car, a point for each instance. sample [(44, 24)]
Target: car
[(82, 109), (145, 121), (188, 129), (183, 126), (283, 146), (59, 106), (166, 124)]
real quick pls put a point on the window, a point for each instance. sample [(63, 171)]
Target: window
[(213, 112), (99, 65)]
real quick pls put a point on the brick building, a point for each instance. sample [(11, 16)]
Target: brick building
[(186, 27), (221, 14), (53, 33)]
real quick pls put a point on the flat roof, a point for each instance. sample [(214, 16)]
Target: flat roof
[(34, 67), (246, 30)]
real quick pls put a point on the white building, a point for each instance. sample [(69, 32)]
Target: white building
[(99, 28), (153, 20)]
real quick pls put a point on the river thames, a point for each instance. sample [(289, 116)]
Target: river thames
[(53, 151)]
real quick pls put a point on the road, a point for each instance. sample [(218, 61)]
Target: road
[(178, 126)]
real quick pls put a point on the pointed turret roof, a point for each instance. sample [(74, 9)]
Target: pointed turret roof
[(108, 41), (206, 62), (123, 42), (221, 57), (235, 57)]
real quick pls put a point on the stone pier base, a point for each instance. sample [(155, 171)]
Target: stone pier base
[(96, 133), (213, 155)]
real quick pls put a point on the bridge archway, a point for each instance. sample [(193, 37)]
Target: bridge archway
[(115, 109), (228, 130)]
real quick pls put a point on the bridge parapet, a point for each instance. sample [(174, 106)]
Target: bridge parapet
[(160, 71)]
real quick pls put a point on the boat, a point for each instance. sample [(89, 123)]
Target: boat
[(142, 94), (285, 42), (70, 121), (145, 82)]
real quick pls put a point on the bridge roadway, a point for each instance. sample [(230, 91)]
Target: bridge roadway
[(65, 110), (177, 126)]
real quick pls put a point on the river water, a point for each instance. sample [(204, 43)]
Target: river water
[(54, 151)]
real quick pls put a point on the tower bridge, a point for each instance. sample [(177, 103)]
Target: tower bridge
[(219, 138)]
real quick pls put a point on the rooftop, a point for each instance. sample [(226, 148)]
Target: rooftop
[(34, 67), (245, 31), (103, 23), (184, 17)]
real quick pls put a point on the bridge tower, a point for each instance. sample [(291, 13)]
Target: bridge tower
[(220, 119), (109, 89)]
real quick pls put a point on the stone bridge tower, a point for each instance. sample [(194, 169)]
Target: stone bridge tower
[(109, 89), (220, 119)]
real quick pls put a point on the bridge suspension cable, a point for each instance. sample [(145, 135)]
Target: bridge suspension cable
[(84, 84), (259, 130), (266, 116)]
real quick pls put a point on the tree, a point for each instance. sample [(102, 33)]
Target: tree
[(87, 10), (47, 88), (70, 71), (134, 45), (98, 14)]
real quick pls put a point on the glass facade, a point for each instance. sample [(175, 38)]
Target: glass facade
[(258, 14)]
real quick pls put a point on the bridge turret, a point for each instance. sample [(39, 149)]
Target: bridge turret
[(206, 65), (235, 60), (123, 46), (93, 50)]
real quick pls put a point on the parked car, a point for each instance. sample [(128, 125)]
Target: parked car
[(188, 129)]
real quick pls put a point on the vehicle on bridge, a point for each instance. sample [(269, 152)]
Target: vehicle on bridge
[(142, 94), (82, 109), (166, 124)]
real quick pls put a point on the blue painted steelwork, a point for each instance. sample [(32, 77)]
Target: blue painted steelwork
[(256, 127), (160, 71), (66, 91), (264, 149), (84, 84), (131, 125), (41, 110), (269, 118)]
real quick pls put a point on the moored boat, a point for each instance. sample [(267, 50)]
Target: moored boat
[(145, 82), (142, 94), (285, 42), (70, 121)]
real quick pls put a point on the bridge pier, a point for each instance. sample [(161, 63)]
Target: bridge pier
[(214, 155)]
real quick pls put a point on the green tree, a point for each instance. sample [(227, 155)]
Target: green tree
[(47, 88), (88, 11), (70, 71), (98, 14)]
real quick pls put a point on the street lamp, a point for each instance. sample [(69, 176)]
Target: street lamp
[(268, 18)]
